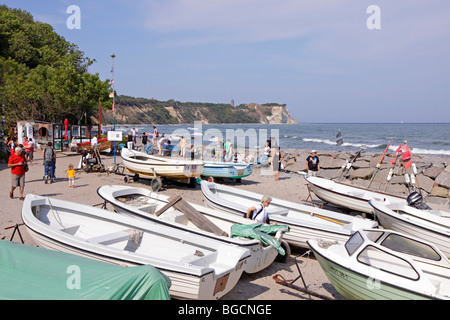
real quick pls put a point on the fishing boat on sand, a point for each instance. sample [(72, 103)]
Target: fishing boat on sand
[(198, 267), (384, 265), (304, 221), (226, 170), (347, 196), (32, 273), (176, 213), (141, 163), (426, 224)]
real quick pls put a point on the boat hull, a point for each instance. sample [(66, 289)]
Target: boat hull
[(261, 256), (227, 170), (304, 222), (357, 286), (193, 278), (346, 196), (148, 165), (415, 223)]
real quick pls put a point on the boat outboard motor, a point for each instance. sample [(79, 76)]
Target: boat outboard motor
[(415, 200)]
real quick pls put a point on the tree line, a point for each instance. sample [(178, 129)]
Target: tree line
[(43, 76)]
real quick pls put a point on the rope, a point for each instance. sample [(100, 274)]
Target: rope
[(58, 219)]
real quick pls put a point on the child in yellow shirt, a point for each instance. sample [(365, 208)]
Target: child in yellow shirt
[(71, 176)]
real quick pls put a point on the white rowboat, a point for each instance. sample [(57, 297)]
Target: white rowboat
[(198, 267), (304, 221), (347, 196), (167, 167), (144, 204)]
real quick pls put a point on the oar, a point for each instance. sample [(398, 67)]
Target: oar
[(379, 164), (329, 219)]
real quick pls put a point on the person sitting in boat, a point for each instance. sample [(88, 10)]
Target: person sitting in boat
[(259, 212)]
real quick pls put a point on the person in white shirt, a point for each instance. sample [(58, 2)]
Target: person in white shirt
[(160, 144), (259, 212), (94, 142)]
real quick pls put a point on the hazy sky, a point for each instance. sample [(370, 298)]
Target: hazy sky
[(328, 60)]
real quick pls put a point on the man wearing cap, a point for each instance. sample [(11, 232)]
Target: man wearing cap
[(17, 164), (312, 164)]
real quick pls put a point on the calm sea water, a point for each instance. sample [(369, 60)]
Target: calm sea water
[(423, 138)]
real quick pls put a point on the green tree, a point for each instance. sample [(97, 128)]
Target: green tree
[(42, 76)]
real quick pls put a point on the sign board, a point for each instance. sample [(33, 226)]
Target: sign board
[(114, 135)]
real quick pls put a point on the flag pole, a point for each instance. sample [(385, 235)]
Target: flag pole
[(114, 106)]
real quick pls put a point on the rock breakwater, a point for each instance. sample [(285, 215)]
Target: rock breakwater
[(432, 178)]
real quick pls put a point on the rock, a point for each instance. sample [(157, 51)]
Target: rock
[(330, 173), (437, 200), (433, 172), (397, 189), (425, 183), (363, 173), (344, 155), (298, 166), (361, 164), (327, 162), (443, 179), (447, 169), (438, 191)]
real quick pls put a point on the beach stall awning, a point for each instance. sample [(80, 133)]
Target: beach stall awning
[(32, 273)]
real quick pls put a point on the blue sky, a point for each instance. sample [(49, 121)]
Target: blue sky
[(317, 57)]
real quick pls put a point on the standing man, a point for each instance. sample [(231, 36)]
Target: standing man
[(49, 156), (17, 164), (144, 140), (312, 164)]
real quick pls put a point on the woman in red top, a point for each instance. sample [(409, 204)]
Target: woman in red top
[(17, 164)]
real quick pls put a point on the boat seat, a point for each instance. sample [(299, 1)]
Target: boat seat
[(148, 208), (71, 230), (118, 236)]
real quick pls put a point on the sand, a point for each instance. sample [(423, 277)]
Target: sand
[(259, 286)]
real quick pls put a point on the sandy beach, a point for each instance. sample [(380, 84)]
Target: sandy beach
[(260, 286)]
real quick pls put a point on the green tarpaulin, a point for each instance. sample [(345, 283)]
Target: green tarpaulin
[(260, 231), (31, 273)]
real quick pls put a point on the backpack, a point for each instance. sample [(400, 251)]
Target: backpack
[(48, 155)]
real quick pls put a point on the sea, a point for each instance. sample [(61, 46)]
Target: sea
[(422, 138)]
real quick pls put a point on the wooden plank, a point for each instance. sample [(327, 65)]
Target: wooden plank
[(172, 201), (198, 219)]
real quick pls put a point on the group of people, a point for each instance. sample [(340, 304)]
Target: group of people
[(158, 141), (21, 156)]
